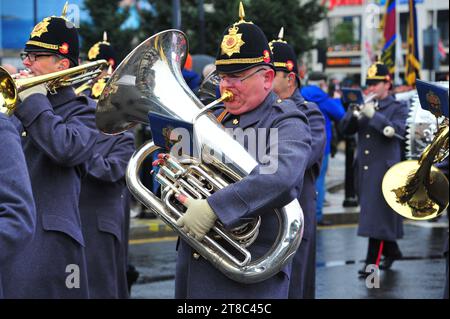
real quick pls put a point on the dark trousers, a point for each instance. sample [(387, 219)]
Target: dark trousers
[(388, 249)]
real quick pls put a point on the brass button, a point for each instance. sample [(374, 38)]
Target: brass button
[(367, 135), (235, 122), (366, 152), (196, 255), (24, 134), (279, 100), (366, 167)]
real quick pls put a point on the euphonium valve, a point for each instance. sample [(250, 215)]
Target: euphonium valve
[(416, 189)]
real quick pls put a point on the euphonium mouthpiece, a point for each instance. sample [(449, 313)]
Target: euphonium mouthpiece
[(227, 96)]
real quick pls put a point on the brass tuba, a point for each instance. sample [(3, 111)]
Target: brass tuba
[(149, 79), (10, 87)]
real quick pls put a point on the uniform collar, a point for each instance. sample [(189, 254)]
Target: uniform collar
[(385, 102), (297, 97), (255, 115)]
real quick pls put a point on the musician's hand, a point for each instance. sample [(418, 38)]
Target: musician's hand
[(368, 110), (37, 89), (198, 219), (389, 131)]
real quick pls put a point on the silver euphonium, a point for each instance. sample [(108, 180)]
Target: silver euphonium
[(150, 80)]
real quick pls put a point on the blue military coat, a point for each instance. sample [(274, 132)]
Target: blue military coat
[(257, 194), (104, 210), (376, 153), (17, 209), (302, 283), (59, 138)]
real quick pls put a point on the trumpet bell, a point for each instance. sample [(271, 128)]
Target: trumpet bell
[(427, 202), (8, 92)]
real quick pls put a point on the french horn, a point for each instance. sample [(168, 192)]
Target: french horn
[(149, 80), (415, 188)]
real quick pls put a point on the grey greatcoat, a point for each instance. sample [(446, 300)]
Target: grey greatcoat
[(257, 194), (376, 153), (59, 138), (104, 209), (303, 278), (17, 209)]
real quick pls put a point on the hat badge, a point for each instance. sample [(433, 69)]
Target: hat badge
[(94, 51), (266, 56), (372, 70), (40, 28), (232, 42)]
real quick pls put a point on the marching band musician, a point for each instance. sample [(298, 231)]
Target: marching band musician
[(245, 65), (104, 203), (378, 149), (287, 86), (58, 136), (17, 208)]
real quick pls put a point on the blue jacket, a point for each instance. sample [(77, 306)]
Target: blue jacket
[(104, 209), (17, 209), (331, 109), (60, 135), (256, 194)]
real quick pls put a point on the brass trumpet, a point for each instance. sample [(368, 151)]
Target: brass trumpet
[(10, 87)]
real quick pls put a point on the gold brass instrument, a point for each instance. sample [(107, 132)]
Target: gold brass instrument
[(416, 189), (148, 80), (10, 87)]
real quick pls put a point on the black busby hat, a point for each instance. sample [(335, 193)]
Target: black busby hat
[(377, 72), (103, 50), (284, 57), (55, 35), (243, 46)]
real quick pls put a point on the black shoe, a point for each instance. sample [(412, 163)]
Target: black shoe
[(363, 273), (387, 262)]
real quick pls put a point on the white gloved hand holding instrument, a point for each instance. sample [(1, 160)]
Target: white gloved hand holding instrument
[(198, 219)]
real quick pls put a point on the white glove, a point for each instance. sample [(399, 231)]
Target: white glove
[(37, 89), (368, 110), (389, 131), (198, 219)]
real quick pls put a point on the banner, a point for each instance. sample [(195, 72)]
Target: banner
[(388, 53), (412, 68)]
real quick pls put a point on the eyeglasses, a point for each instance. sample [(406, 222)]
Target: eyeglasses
[(32, 56), (235, 80)]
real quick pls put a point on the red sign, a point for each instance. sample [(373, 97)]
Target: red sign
[(337, 3)]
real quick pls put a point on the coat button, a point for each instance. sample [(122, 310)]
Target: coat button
[(367, 135), (279, 100), (196, 255), (366, 152), (235, 122), (366, 167)]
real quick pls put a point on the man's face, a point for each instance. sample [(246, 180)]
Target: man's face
[(284, 84), (41, 63), (249, 88), (380, 89)]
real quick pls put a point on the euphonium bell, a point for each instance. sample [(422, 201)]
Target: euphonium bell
[(416, 189), (10, 87), (149, 80)]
